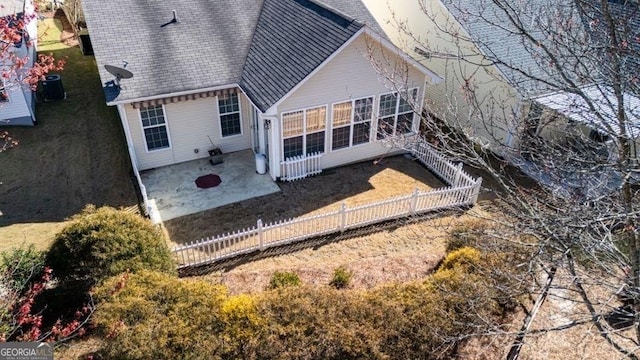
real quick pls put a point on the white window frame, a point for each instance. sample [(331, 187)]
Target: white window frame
[(397, 109), (353, 122), (239, 112), (165, 124), (304, 133)]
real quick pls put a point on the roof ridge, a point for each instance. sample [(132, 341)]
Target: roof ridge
[(275, 62), (253, 35), (335, 11)]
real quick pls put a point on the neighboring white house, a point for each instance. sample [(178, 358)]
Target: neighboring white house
[(425, 29), (479, 52), (17, 105), (487, 99), (282, 77)]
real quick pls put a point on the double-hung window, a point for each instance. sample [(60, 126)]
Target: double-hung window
[(229, 109), (351, 123), (395, 115), (154, 126), (303, 131)]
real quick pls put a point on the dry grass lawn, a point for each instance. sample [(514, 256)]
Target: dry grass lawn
[(399, 251)]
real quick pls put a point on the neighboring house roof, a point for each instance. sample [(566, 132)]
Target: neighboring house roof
[(306, 35), (626, 15), (490, 29), (216, 43), (577, 109)]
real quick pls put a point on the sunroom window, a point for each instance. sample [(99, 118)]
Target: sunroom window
[(351, 123), (303, 131), (395, 115)]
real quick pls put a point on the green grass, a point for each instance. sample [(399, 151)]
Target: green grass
[(76, 155)]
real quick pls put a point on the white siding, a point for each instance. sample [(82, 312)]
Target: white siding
[(189, 124), (16, 111), (349, 75), (498, 100)]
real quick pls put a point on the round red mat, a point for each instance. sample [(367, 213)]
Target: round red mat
[(208, 181)]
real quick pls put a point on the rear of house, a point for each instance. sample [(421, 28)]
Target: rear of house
[(297, 81)]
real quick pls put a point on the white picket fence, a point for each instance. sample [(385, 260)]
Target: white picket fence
[(463, 190), (301, 166), (439, 164)]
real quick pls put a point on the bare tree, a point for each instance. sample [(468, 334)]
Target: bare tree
[(552, 89)]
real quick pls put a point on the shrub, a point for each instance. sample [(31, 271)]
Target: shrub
[(151, 315), (283, 279), (468, 233), (99, 243), (466, 257), (242, 324), (154, 315), (317, 323), (20, 266), (341, 278)]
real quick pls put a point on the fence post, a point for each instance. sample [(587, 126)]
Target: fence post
[(476, 191), (343, 216), (414, 201), (456, 180), (260, 237)]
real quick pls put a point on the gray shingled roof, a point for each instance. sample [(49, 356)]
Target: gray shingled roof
[(356, 10), (492, 32), (488, 26), (292, 38), (626, 15), (206, 48), (209, 44)]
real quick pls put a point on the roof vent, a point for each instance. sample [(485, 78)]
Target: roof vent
[(173, 21)]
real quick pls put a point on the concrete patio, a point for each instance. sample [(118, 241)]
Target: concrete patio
[(173, 193)]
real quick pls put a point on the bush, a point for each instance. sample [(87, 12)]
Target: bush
[(100, 243), (19, 267), (468, 233), (318, 323), (154, 315), (151, 315), (242, 326), (341, 278), (466, 257), (283, 279)]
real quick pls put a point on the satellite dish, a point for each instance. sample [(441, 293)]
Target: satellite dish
[(118, 72)]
